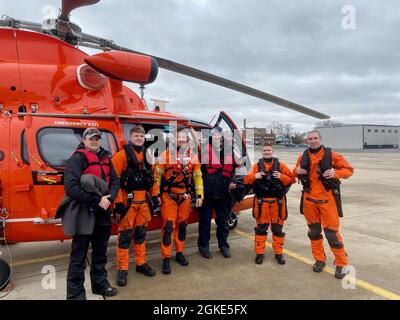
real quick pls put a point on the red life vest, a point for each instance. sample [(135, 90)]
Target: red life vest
[(215, 166), (96, 166)]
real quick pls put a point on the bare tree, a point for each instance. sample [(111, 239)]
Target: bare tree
[(299, 138)]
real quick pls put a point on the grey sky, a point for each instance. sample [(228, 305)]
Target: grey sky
[(294, 49)]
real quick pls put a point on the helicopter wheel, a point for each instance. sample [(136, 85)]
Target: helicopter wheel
[(5, 272), (233, 220)]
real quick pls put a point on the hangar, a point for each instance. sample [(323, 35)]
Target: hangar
[(360, 136)]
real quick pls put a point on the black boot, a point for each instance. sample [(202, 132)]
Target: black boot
[(122, 278), (280, 259), (340, 272), (318, 266), (166, 268), (146, 270), (226, 252), (180, 258), (259, 258), (205, 253), (106, 292)]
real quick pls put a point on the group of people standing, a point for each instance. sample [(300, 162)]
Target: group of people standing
[(135, 188)]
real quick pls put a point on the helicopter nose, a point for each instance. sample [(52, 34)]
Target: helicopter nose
[(125, 66)]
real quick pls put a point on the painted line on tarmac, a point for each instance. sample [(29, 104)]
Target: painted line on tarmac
[(38, 260), (360, 283)]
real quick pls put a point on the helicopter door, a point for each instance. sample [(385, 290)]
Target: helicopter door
[(47, 181), (231, 131), (52, 141)]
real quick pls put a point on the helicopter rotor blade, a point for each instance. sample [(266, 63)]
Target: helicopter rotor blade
[(208, 77), (68, 5)]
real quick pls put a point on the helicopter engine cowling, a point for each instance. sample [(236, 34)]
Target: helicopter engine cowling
[(125, 66)]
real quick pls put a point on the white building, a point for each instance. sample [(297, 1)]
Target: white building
[(360, 136)]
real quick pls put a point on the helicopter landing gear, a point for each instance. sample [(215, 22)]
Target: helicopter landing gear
[(233, 220), (5, 273)]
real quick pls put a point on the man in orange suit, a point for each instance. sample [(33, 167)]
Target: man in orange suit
[(319, 170), (138, 197), (177, 171), (270, 180)]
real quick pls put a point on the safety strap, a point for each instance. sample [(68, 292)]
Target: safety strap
[(175, 197), (129, 202), (338, 200), (275, 166), (170, 183), (133, 160), (280, 206), (305, 178)]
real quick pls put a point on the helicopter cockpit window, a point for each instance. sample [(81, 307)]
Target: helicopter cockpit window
[(56, 145)]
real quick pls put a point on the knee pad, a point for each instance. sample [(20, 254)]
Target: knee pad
[(261, 229), (125, 239), (277, 230), (140, 235), (332, 239), (167, 233), (314, 232), (182, 231)]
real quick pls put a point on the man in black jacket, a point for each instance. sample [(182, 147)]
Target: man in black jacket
[(90, 158)]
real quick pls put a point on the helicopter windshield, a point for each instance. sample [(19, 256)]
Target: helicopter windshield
[(56, 145)]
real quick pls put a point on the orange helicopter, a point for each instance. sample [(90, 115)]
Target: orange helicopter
[(50, 91)]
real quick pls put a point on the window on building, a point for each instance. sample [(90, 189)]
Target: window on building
[(390, 131), (376, 130), (383, 130), (369, 130)]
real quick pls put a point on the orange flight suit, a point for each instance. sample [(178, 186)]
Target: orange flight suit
[(176, 200), (134, 223), (319, 208), (269, 210)]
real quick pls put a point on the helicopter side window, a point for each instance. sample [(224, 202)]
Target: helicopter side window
[(158, 136), (152, 135), (56, 145), (24, 148)]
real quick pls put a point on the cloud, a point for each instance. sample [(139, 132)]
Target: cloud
[(297, 50)]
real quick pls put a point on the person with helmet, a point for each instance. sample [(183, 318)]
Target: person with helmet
[(93, 222), (271, 180), (319, 170), (218, 168), (177, 171), (137, 199)]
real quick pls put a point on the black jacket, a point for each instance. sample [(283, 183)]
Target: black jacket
[(75, 167), (216, 186)]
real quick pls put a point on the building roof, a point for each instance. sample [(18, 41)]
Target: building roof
[(361, 125)]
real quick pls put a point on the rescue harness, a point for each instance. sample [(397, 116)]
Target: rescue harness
[(138, 175), (331, 184), (181, 178), (270, 187)]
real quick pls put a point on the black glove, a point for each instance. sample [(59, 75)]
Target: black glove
[(154, 203), (119, 208)]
